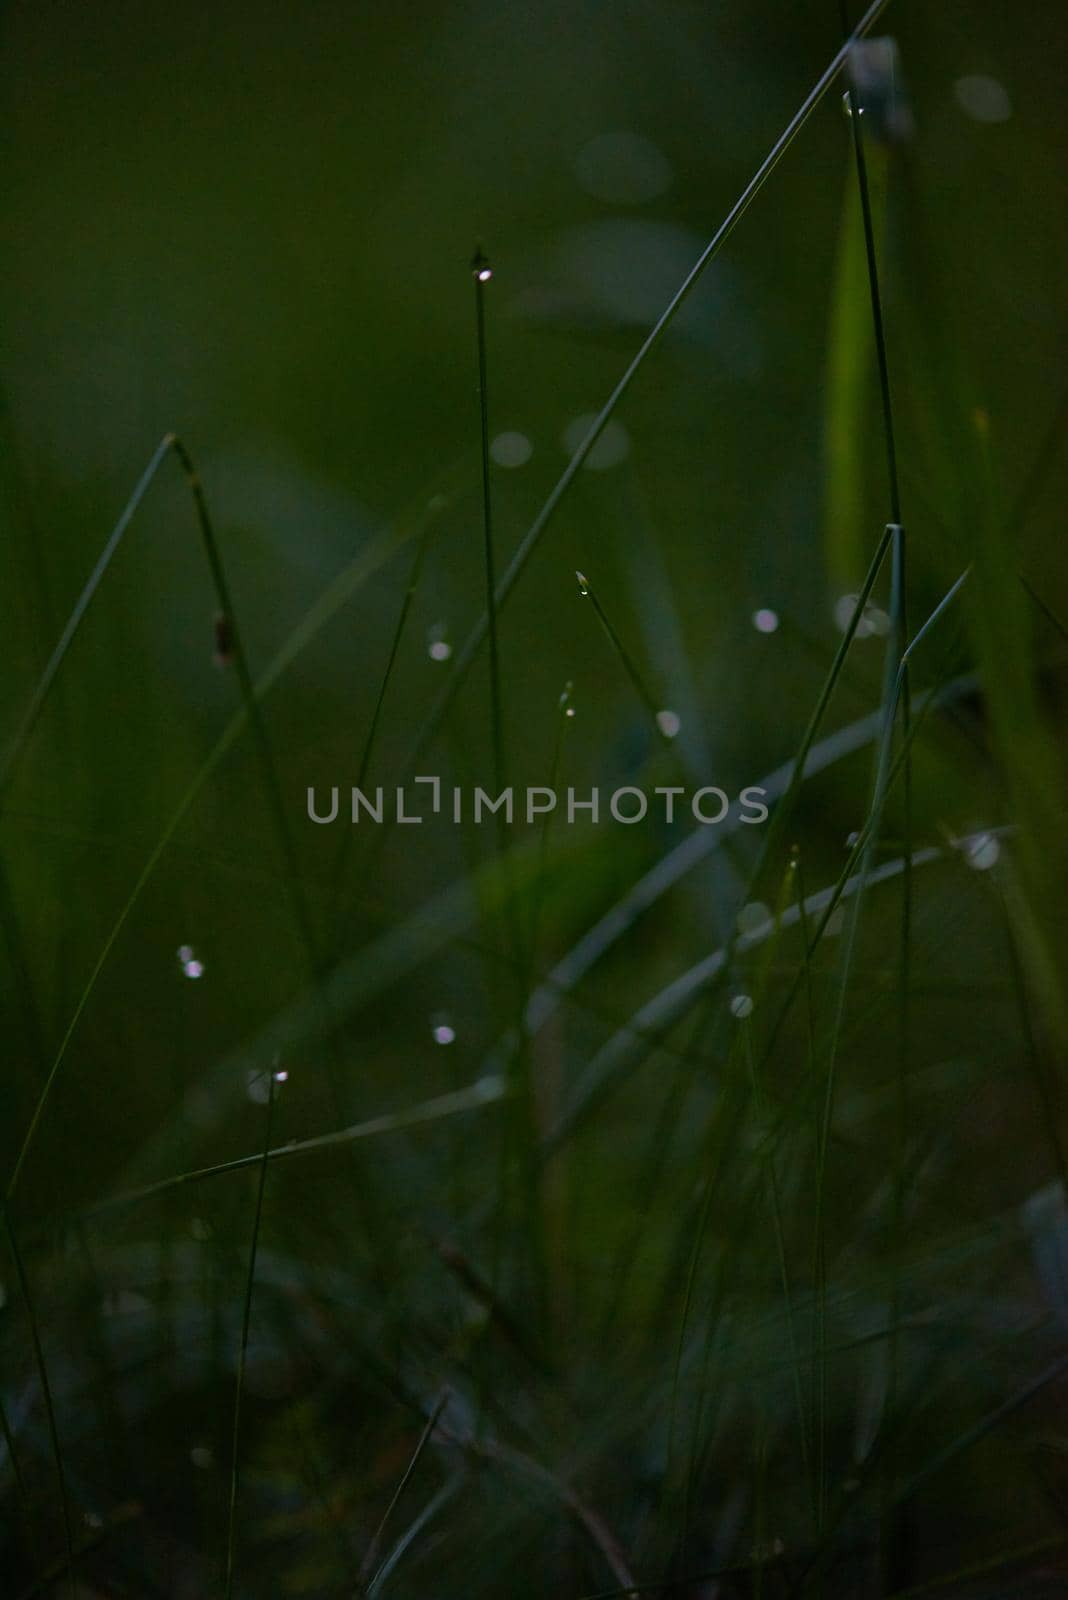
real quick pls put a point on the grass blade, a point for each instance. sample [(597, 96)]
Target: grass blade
[(246, 1320)]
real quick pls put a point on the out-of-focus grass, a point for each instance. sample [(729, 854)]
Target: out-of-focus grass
[(639, 1208)]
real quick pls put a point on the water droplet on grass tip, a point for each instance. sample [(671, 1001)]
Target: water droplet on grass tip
[(441, 1029), (438, 646), (741, 1006), (765, 620), (189, 963), (583, 583), (669, 723), (981, 851)]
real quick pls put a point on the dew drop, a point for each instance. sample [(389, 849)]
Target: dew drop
[(511, 449), (741, 1006), (611, 447), (765, 620), (441, 1029), (623, 169), (257, 1086), (583, 583), (844, 608), (438, 647), (873, 620), (189, 963), (669, 723), (982, 98), (564, 702), (753, 916), (981, 851)]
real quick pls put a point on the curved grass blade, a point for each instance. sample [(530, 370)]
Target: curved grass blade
[(376, 1541), (428, 1513), (486, 1091), (38, 699)]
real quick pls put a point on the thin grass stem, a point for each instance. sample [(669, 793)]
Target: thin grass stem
[(376, 1541), (486, 1091), (246, 1322), (336, 924), (665, 721)]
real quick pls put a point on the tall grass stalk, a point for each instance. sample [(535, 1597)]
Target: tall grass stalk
[(536, 531), (894, 664)]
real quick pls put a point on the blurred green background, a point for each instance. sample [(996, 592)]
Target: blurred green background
[(253, 226)]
